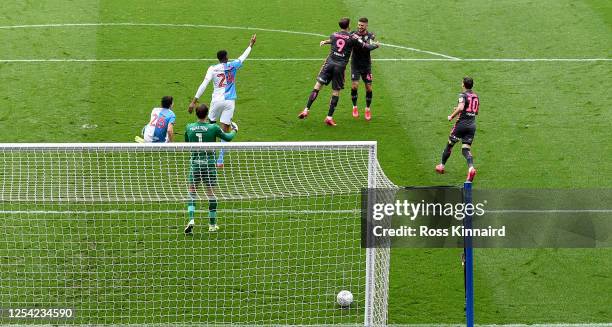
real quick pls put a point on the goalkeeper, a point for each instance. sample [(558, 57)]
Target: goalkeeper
[(203, 169)]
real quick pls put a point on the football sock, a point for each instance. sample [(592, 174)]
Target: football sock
[(468, 156), (354, 97), (312, 97), (220, 157), (368, 98), (332, 105), (191, 206), (447, 152), (212, 211)]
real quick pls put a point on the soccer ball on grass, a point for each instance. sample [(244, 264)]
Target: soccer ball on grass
[(344, 298)]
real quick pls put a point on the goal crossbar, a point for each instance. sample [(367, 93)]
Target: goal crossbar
[(212, 145)]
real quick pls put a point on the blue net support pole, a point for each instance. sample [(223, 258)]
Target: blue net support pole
[(468, 256)]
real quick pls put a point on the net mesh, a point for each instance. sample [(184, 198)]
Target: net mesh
[(99, 229)]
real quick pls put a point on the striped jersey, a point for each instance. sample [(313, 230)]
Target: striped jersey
[(223, 77), (157, 128)]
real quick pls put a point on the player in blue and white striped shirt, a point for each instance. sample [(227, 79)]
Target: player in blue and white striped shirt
[(223, 76), (161, 125)]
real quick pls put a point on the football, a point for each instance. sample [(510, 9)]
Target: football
[(344, 298)]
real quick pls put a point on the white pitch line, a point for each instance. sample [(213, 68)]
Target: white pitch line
[(151, 60), (536, 59), (83, 212), (551, 211), (111, 60), (499, 59), (443, 58), (281, 211), (419, 50), (215, 26), (163, 25)]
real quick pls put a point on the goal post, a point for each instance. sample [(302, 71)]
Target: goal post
[(98, 228)]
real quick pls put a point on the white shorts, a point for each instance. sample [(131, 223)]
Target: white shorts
[(222, 111)]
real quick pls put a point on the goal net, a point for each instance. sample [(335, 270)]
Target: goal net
[(99, 229)]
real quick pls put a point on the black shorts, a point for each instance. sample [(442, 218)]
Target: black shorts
[(365, 73), (334, 73), (463, 132)]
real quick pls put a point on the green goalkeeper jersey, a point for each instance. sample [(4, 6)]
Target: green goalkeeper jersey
[(205, 132)]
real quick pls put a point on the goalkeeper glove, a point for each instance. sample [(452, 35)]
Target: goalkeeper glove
[(234, 126)]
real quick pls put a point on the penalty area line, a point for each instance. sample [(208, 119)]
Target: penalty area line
[(111, 60), (272, 30), (282, 211), (118, 60), (441, 56), (549, 211), (108, 212)]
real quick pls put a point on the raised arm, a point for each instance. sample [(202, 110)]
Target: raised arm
[(246, 52), (201, 90)]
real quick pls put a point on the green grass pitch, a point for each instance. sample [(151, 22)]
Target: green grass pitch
[(543, 124)]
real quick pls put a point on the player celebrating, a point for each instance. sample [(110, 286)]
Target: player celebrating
[(342, 44), (202, 165), (361, 67), (464, 128), (223, 76), (161, 125)]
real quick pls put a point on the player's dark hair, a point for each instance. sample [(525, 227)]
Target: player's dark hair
[(202, 111), (468, 82), (166, 102), (344, 23), (363, 19), (222, 55)]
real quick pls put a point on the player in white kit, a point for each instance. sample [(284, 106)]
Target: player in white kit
[(223, 76)]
